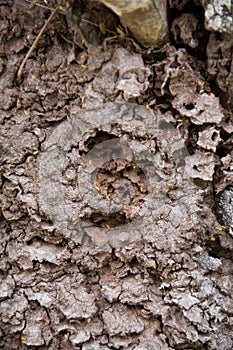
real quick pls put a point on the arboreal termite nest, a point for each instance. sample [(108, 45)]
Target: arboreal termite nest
[(114, 167)]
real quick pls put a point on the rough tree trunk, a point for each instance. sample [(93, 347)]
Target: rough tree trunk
[(116, 177)]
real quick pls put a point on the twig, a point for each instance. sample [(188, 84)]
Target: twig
[(34, 3), (20, 71)]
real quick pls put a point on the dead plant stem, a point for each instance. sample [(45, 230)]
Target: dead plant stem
[(20, 71)]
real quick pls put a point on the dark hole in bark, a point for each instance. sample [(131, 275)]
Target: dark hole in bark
[(107, 220), (189, 107), (100, 136), (214, 136)]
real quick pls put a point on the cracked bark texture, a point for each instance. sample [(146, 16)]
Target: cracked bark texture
[(169, 288)]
